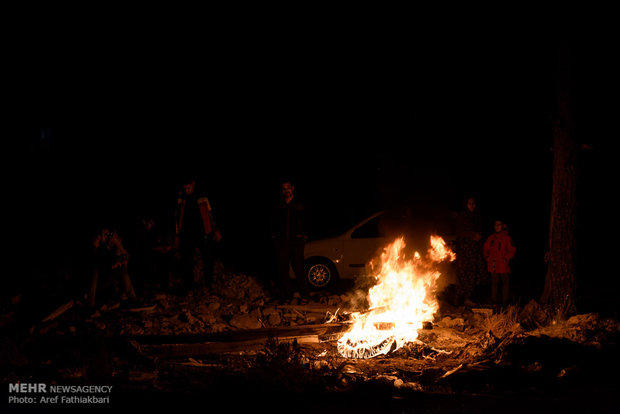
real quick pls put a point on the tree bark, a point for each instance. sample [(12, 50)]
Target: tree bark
[(560, 289)]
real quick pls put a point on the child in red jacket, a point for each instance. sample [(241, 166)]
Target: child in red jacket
[(498, 250)]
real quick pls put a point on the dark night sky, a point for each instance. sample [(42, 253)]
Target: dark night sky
[(359, 127)]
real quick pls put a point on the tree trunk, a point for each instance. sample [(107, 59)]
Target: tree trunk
[(559, 295)]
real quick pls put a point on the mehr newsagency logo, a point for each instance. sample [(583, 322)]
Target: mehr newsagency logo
[(41, 393)]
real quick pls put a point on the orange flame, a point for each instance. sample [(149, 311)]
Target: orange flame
[(439, 251), (400, 302)]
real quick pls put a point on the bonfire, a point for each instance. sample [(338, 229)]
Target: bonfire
[(402, 299)]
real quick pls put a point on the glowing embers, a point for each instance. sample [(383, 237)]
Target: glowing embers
[(401, 301)]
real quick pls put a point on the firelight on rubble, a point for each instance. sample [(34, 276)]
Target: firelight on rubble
[(401, 301)]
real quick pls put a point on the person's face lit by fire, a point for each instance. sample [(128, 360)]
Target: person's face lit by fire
[(471, 204), (107, 236), (287, 191), (498, 226), (189, 188)]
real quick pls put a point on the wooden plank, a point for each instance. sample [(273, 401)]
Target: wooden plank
[(144, 309), (241, 335), (62, 309), (314, 307), (210, 348), (176, 346)]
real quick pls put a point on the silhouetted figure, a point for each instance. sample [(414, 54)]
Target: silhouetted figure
[(195, 231), (289, 232), (498, 250), (470, 270), (109, 262), (152, 255)]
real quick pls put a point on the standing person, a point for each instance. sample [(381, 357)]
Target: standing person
[(469, 261), (498, 251), (289, 232), (143, 254), (195, 230), (152, 254), (109, 264)]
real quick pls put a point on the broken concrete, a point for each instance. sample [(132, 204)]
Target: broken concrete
[(236, 336)]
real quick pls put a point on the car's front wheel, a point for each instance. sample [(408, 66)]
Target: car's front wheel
[(320, 273)]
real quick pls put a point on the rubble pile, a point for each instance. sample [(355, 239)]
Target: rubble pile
[(587, 329), (236, 286), (236, 301), (215, 337)]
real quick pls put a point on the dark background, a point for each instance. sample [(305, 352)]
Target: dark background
[(360, 126)]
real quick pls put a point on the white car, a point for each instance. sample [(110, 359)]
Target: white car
[(347, 256), (344, 256)]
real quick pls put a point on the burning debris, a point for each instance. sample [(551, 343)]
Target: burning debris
[(401, 301), (234, 339)]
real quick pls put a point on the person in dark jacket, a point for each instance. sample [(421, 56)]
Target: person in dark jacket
[(470, 270), (109, 258), (498, 250), (289, 232), (153, 256), (195, 230)]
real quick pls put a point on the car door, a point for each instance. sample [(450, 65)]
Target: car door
[(362, 245)]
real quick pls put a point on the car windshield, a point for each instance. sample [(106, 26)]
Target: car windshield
[(371, 229), (412, 222), (335, 223)]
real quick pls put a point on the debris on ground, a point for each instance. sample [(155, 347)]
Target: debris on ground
[(236, 332)]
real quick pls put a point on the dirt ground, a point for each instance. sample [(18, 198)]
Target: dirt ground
[(235, 345)]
